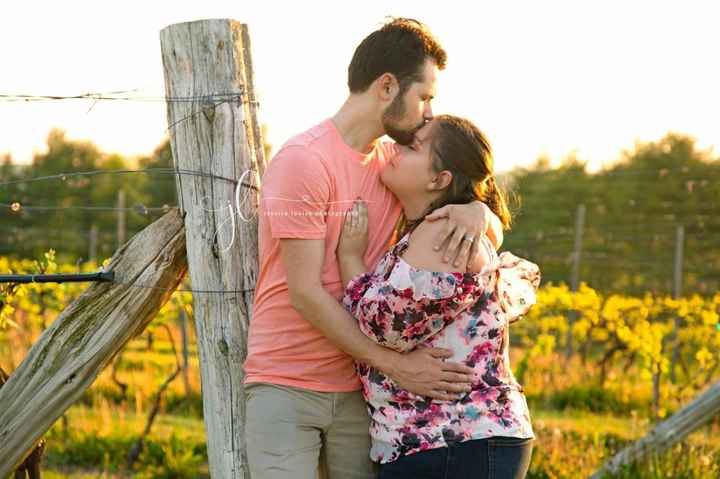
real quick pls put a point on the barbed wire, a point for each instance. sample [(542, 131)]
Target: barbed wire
[(202, 291), (177, 171), (139, 208), (566, 236), (660, 172), (104, 277), (112, 96), (160, 170), (208, 101)]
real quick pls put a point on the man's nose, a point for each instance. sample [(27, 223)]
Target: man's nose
[(428, 113)]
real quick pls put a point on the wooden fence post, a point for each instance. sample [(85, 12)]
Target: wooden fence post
[(575, 274), (121, 218), (214, 133), (673, 430), (677, 293), (69, 355)]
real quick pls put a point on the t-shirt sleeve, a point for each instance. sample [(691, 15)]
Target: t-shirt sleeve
[(295, 194)]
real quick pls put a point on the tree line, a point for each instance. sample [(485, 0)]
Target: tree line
[(632, 210)]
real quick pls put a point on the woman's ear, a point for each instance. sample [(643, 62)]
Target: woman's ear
[(441, 181)]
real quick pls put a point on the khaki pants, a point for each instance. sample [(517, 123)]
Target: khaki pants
[(293, 433)]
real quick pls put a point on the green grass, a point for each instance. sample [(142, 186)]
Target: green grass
[(570, 444), (578, 424), (97, 441)]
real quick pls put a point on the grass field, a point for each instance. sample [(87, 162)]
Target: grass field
[(94, 437)]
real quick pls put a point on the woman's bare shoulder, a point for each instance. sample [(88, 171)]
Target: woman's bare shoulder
[(421, 253)]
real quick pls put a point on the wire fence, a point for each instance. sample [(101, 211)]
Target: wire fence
[(602, 241)]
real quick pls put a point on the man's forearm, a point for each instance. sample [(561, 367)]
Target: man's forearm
[(325, 313), (495, 231)]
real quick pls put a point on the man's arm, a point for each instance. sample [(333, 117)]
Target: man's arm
[(422, 371)]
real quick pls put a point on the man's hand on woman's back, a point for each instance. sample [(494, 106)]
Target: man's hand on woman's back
[(425, 372)]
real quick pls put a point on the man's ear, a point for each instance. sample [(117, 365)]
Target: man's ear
[(387, 86)]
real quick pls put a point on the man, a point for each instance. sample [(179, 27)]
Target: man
[(305, 411)]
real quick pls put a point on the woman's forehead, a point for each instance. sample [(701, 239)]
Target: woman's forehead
[(424, 132)]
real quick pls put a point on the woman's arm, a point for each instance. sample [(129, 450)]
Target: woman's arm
[(417, 300), (350, 266), (410, 306)]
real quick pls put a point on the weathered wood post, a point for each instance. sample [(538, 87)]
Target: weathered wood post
[(69, 355), (671, 431), (212, 118)]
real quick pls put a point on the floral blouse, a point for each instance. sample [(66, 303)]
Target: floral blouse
[(401, 307)]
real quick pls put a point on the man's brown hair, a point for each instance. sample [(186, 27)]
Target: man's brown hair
[(400, 47)]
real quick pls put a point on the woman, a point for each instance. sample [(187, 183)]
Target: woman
[(414, 299)]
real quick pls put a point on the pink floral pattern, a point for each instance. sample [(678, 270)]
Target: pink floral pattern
[(401, 307)]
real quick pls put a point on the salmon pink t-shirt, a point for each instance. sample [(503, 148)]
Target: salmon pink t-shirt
[(306, 190)]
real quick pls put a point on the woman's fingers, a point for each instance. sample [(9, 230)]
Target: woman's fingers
[(347, 224), (354, 214), (363, 217), (356, 219)]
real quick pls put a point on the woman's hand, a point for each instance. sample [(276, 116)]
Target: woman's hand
[(353, 242), (354, 237)]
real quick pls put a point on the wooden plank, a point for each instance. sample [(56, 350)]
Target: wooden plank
[(673, 430), (69, 355)]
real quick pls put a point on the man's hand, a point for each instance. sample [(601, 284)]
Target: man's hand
[(463, 228), (424, 372)]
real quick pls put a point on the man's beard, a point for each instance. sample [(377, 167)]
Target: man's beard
[(394, 113)]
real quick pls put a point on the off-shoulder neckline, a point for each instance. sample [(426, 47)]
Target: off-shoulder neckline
[(403, 244)]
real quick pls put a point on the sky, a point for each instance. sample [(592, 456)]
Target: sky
[(551, 78)]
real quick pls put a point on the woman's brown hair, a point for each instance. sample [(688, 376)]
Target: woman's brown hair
[(459, 147)]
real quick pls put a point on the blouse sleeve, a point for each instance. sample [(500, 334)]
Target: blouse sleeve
[(409, 306), (518, 281)]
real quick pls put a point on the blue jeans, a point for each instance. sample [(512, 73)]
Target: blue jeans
[(491, 458)]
